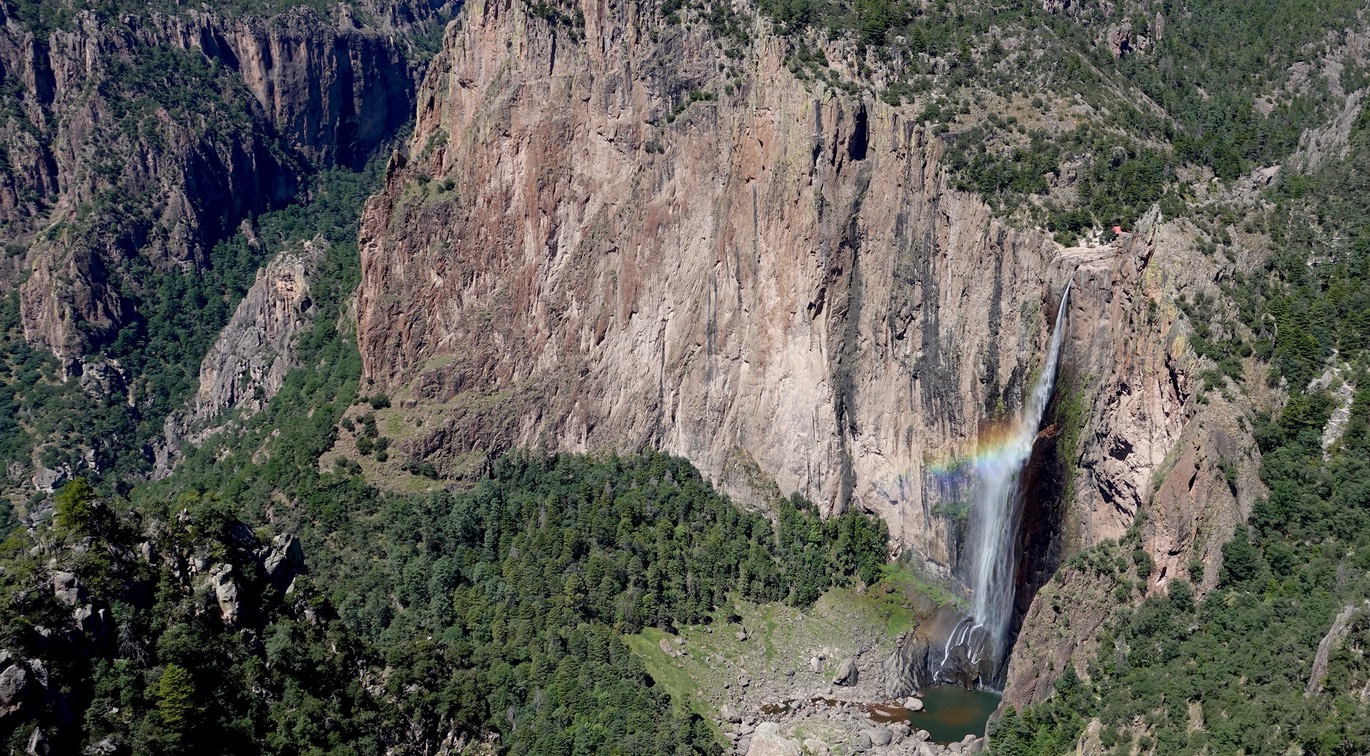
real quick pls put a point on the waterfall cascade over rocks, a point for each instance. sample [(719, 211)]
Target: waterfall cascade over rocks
[(953, 647)]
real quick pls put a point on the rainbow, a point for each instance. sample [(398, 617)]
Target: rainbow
[(996, 446)]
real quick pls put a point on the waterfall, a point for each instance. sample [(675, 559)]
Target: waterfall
[(992, 540)]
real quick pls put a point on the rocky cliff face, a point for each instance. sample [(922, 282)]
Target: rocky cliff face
[(152, 137), (1155, 451), (249, 361), (777, 283), (589, 249)]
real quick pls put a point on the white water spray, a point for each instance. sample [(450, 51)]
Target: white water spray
[(992, 544)]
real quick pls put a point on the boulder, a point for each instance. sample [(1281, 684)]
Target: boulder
[(14, 688), (815, 664), (913, 704), (226, 593), (1120, 41), (846, 672), (877, 736), (65, 588), (767, 741), (91, 621), (38, 743), (730, 714), (39, 672), (283, 561)]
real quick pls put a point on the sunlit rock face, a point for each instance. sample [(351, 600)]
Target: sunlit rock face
[(587, 247), (777, 283)]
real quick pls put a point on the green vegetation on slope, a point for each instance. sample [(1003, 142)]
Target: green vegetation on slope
[(498, 610), (1210, 84), (179, 316)]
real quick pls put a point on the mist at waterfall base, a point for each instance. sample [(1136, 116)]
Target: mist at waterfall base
[(980, 641)]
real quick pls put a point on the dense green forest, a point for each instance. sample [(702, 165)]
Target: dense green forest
[(498, 610)]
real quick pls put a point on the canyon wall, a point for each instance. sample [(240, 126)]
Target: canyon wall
[(773, 280), (587, 247), (153, 137), (1154, 451)]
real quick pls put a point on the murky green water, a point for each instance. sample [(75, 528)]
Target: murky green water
[(949, 713)]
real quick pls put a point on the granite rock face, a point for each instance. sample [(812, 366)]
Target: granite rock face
[(585, 248), (778, 284)]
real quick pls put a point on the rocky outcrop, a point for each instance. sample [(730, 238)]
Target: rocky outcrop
[(154, 136), (221, 581), (777, 283), (249, 361), (14, 689), (1147, 442), (1336, 635), (925, 657), (283, 561)]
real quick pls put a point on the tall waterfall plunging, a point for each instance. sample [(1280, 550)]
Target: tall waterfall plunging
[(994, 520), (979, 641)]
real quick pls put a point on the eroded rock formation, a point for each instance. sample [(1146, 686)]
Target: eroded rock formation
[(586, 248), (249, 361)]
